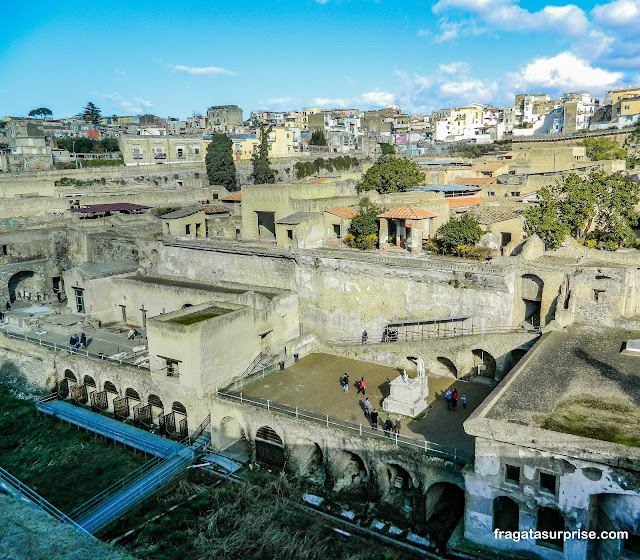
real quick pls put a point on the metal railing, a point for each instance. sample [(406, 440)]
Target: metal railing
[(260, 374), (430, 448), (59, 347), (252, 365), (131, 497), (39, 501), (104, 429), (381, 338), (95, 502), (190, 439)]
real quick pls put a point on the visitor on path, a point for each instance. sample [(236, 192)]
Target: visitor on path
[(398, 426), (8, 306), (345, 382), (388, 427), (132, 334), (361, 386), (367, 407), (83, 341), (72, 343), (447, 398), (454, 398), (365, 336), (1, 317), (374, 419), (464, 402)]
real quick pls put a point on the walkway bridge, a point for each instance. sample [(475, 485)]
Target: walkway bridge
[(170, 460)]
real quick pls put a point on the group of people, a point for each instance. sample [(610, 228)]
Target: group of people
[(360, 384), (451, 398), (75, 343)]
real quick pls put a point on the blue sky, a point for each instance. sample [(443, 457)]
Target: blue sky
[(173, 58)]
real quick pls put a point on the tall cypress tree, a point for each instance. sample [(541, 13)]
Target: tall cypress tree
[(221, 168), (91, 113), (262, 172)]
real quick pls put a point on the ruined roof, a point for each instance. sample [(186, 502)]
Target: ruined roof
[(462, 201), (111, 207), (488, 167), (342, 211), (182, 213), (408, 213), (475, 181), (215, 209), (297, 218), (233, 197), (493, 214)]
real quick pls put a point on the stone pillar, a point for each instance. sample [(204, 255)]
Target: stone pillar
[(416, 235), (383, 234)]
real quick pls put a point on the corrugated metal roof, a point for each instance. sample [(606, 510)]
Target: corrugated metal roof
[(408, 213), (111, 207), (297, 218), (342, 211), (474, 181)]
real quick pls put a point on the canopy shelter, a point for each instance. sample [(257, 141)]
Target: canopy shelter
[(418, 329)]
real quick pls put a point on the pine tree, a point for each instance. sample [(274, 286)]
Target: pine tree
[(221, 169), (91, 113), (262, 172)]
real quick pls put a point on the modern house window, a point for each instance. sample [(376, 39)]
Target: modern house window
[(79, 294), (512, 474), (548, 482)]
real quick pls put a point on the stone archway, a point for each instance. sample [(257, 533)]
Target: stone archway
[(232, 440), (349, 471), (444, 367), (512, 358), (506, 514), (308, 458), (157, 407), (25, 285), (269, 448), (444, 507), (531, 290), (484, 364)]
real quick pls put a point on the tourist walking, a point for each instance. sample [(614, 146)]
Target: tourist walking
[(345, 382), (454, 398), (72, 342), (361, 386), (8, 306), (388, 427), (83, 341), (374, 419), (447, 398), (367, 407), (398, 426), (1, 317), (365, 336), (132, 334), (464, 402)]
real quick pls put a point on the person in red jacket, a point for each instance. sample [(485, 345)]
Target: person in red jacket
[(361, 386), (454, 398)]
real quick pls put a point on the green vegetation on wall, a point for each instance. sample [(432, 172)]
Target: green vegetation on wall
[(457, 235), (363, 232), (340, 163), (602, 148)]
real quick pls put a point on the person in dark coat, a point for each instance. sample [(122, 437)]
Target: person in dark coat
[(388, 427), (83, 340), (374, 419)]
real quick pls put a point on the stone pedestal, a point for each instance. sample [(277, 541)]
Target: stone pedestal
[(407, 396)]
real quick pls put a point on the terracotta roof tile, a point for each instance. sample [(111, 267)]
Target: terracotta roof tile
[(342, 211), (463, 201), (475, 181), (215, 209), (492, 214), (488, 167), (234, 197), (408, 213)]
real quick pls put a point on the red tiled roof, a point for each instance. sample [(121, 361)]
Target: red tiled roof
[(319, 180), (464, 201), (112, 207), (342, 211), (408, 213), (234, 197), (215, 209), (488, 167), (475, 181)]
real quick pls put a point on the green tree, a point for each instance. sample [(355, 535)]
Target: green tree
[(459, 233), (221, 168), (109, 145), (91, 113), (602, 148), (598, 209), (42, 112), (632, 146), (386, 148), (262, 172), (363, 232), (390, 174), (318, 138)]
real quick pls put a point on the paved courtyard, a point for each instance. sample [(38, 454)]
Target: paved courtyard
[(314, 384)]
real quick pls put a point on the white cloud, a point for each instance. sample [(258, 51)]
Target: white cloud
[(564, 72), (371, 99), (277, 103), (423, 33), (376, 99), (202, 71), (330, 102), (618, 14), (134, 106), (323, 2)]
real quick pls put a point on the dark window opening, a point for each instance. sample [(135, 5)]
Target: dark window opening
[(551, 525), (506, 514), (337, 230), (187, 229), (632, 543), (548, 482), (512, 474), (597, 294), (290, 235), (4, 250)]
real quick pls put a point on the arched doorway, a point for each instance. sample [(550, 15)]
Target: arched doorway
[(180, 413), (531, 290), (157, 408), (506, 514), (269, 448), (445, 367), (444, 507), (67, 384), (512, 359), (349, 471), (25, 285), (551, 521), (89, 381), (484, 363), (232, 440), (111, 393), (613, 512)]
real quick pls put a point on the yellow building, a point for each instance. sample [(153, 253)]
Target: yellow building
[(626, 106), (619, 94), (280, 144)]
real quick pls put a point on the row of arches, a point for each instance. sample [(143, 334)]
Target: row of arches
[(482, 363), (127, 406)]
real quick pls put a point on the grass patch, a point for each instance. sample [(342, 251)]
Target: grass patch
[(195, 318), (612, 420), (224, 520), (65, 466)]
